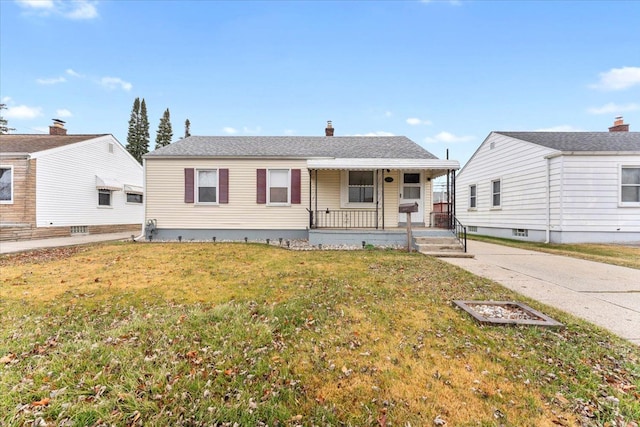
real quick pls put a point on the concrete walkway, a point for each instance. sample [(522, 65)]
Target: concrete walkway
[(27, 245), (603, 294)]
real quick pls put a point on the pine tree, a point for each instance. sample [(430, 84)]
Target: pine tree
[(165, 132), (187, 128), (138, 136), (4, 124)]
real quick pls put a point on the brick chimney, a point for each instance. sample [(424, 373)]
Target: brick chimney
[(57, 128), (619, 125), (329, 129)]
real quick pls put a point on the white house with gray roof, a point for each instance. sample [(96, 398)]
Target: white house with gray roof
[(325, 189), (559, 187)]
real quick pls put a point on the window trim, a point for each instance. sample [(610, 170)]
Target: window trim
[(473, 198), (268, 187), (110, 205), (492, 194), (344, 190), (196, 186), (12, 198), (620, 185)]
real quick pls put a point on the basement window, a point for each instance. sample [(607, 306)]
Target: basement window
[(472, 228), (520, 232), (78, 229)]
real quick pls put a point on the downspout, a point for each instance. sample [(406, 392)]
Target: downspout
[(310, 201), (548, 213), (377, 195), (316, 198), (144, 199)]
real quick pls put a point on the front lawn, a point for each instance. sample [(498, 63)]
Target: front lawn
[(246, 334)]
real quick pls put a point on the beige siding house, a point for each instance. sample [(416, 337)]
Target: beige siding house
[(324, 189)]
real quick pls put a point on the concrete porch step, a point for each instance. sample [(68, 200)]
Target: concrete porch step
[(440, 246)]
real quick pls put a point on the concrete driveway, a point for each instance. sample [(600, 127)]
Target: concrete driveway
[(603, 294), (27, 245)]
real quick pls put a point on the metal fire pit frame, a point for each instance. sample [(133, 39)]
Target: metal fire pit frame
[(543, 319)]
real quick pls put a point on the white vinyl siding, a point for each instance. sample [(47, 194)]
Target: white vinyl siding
[(521, 169), (66, 193), (582, 194)]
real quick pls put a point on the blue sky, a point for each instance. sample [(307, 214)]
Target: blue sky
[(443, 73)]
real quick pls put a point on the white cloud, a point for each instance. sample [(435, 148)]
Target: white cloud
[(388, 114), (70, 72), (414, 121), (51, 81), (36, 4), (230, 130), (448, 137), (82, 10), (115, 83), (377, 133), (618, 79), (23, 112), (559, 128), (612, 108), (289, 132), (63, 112), (75, 9), (6, 99)]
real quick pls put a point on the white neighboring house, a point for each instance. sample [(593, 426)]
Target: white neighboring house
[(58, 185), (559, 187)]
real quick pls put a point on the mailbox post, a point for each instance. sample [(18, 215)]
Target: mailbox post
[(408, 208)]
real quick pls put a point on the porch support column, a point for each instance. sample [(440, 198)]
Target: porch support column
[(377, 195), (383, 199)]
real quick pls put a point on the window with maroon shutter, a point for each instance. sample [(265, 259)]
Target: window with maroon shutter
[(261, 186), (295, 186), (189, 185)]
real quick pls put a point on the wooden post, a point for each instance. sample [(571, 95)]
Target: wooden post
[(409, 233)]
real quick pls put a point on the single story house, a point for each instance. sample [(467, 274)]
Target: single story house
[(559, 187), (325, 189), (56, 185)]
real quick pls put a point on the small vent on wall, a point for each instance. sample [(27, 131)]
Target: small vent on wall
[(78, 229), (110, 148), (492, 145)]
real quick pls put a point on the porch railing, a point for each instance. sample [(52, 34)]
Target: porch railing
[(339, 218), (448, 221)]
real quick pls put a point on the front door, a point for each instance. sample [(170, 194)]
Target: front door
[(411, 192)]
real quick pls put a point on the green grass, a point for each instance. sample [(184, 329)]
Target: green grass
[(208, 334), (622, 255)]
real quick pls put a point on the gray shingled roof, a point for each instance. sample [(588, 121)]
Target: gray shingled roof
[(364, 147), (39, 142), (581, 141)]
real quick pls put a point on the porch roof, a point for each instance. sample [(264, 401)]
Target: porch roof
[(438, 167)]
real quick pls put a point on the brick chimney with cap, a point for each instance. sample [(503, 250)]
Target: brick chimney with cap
[(619, 125), (57, 128), (329, 129)]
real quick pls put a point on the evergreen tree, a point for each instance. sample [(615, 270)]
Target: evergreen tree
[(4, 124), (187, 128), (138, 135), (165, 133)]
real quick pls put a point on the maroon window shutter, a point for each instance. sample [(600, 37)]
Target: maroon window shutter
[(223, 181), (261, 186), (295, 186), (188, 185)]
